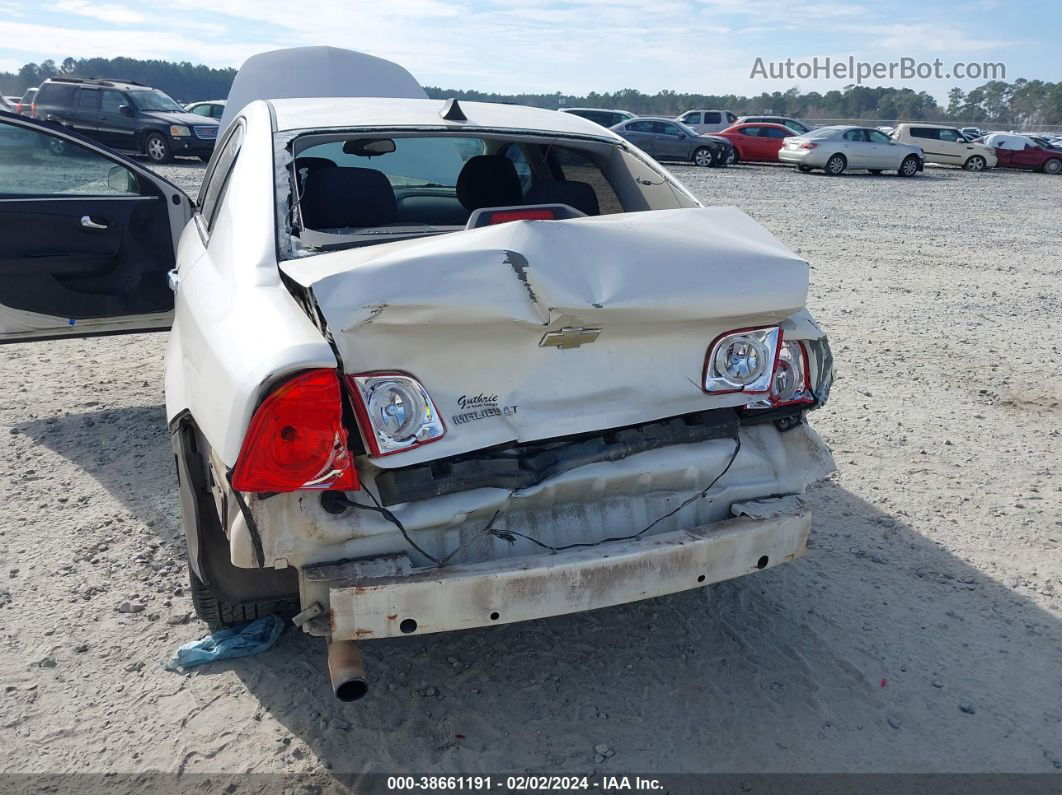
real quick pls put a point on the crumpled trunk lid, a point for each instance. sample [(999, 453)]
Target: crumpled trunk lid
[(468, 314)]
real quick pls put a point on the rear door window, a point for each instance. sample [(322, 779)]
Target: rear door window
[(925, 132), (774, 132), (88, 99), (712, 117), (640, 127), (217, 180)]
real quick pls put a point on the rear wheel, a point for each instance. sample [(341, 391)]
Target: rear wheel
[(909, 167), (703, 157), (1053, 166), (157, 148), (222, 594), (216, 612), (975, 163), (836, 165)]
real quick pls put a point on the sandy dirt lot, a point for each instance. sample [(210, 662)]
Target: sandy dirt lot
[(921, 633)]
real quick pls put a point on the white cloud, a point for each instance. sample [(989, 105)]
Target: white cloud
[(118, 15)]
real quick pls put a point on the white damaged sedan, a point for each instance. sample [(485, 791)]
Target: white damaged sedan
[(435, 365)]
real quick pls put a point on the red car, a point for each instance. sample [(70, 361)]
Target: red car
[(1019, 151), (754, 141)]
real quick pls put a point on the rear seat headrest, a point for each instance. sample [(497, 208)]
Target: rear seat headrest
[(489, 181), (341, 198)]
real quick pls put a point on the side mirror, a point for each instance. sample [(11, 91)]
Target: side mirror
[(126, 110), (122, 180)]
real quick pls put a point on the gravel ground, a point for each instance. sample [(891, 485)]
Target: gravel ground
[(920, 634)]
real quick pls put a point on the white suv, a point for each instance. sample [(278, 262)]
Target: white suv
[(945, 145), (707, 121)]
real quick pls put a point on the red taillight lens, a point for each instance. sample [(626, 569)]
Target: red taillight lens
[(808, 145), (33, 109), (521, 215), (296, 439)]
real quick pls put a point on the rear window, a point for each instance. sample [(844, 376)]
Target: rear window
[(712, 118), (88, 98), (55, 94)]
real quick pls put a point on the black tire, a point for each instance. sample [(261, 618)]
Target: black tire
[(703, 157), (975, 163), (157, 148), (225, 594), (732, 158), (1053, 166), (217, 613), (804, 169), (875, 171), (909, 167), (836, 165)]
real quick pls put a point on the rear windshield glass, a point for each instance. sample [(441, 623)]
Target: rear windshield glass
[(362, 190), (821, 132)]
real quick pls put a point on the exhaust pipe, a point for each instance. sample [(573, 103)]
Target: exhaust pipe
[(346, 668)]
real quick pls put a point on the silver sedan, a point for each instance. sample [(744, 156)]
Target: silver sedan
[(835, 149)]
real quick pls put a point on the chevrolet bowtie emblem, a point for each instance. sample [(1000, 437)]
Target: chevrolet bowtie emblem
[(569, 337)]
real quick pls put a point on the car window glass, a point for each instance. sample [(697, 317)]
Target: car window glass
[(664, 128), (221, 166), (570, 164), (924, 132), (518, 156), (40, 164), (878, 137), (200, 110), (795, 126), (640, 126), (111, 100), (217, 111), (691, 118), (854, 135), (88, 98), (712, 118), (753, 131), (773, 132), (952, 136)]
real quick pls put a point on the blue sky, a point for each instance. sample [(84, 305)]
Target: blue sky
[(542, 45)]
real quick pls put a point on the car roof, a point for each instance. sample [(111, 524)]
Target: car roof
[(671, 119), (101, 82), (345, 112), (603, 110), (934, 124)]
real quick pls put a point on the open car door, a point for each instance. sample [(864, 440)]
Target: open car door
[(87, 237)]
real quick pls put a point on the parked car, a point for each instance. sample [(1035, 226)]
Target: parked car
[(666, 139), (1022, 152), (25, 105), (126, 116), (213, 108), (346, 258), (759, 142), (971, 133), (602, 116), (945, 145), (842, 147), (707, 121), (795, 125)]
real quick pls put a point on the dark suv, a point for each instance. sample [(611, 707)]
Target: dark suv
[(127, 116)]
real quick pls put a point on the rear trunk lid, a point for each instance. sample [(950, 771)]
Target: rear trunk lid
[(472, 314)]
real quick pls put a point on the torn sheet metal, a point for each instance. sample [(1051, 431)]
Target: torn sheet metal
[(466, 313)]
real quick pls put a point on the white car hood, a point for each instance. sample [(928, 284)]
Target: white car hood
[(465, 314)]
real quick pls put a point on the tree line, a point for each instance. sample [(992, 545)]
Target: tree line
[(1021, 103)]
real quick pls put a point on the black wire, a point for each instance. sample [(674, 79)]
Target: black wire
[(698, 496), (508, 535)]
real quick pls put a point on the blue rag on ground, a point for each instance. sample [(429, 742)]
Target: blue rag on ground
[(253, 638)]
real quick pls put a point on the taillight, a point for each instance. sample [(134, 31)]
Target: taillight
[(395, 413), (18, 107), (791, 382), (742, 360), (33, 110), (808, 145), (504, 216), (296, 439)]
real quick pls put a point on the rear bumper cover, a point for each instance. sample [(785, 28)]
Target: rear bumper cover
[(403, 601)]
